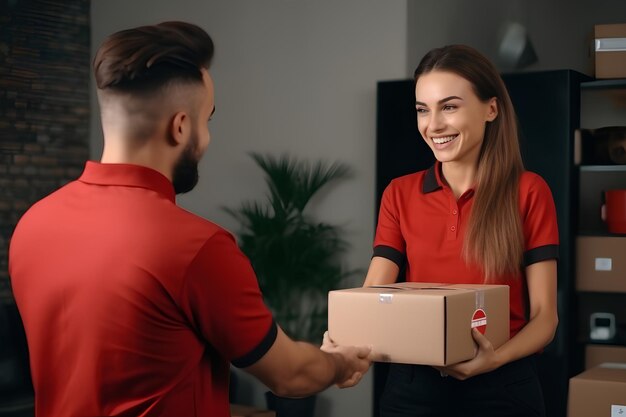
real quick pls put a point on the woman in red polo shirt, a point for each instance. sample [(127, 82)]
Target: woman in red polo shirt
[(476, 216)]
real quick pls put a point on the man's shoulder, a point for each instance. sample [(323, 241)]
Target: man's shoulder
[(188, 228), (196, 221), (49, 201)]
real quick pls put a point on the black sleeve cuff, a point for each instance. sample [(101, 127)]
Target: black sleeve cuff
[(542, 253), (261, 349), (390, 253)]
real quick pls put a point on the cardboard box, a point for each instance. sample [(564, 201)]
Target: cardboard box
[(601, 264), (237, 410), (598, 392), (610, 50), (598, 354), (419, 323)]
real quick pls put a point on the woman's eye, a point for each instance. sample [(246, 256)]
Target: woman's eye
[(421, 110), (449, 107)]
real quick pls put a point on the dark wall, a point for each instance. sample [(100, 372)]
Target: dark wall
[(44, 105)]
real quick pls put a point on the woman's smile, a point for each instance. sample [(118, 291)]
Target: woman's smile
[(442, 142)]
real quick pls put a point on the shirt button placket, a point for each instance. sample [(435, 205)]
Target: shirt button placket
[(453, 223)]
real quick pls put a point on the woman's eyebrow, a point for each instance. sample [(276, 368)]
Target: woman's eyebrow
[(443, 100)]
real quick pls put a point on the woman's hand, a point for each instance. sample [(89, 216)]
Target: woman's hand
[(485, 360), (534, 336)]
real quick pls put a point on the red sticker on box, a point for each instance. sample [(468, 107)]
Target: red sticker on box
[(479, 320)]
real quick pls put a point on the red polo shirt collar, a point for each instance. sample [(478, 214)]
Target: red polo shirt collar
[(128, 175), (433, 181)]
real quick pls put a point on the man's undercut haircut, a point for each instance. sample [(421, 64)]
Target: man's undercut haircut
[(145, 59)]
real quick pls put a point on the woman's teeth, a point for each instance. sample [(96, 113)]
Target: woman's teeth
[(443, 140)]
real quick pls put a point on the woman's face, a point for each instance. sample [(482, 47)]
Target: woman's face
[(450, 117)]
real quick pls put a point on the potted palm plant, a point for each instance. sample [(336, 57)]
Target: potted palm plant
[(297, 258)]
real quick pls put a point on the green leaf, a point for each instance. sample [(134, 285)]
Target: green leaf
[(297, 259)]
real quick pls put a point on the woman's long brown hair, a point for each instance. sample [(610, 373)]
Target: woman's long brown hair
[(494, 239)]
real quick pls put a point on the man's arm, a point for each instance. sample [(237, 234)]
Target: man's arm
[(298, 369), (221, 298)]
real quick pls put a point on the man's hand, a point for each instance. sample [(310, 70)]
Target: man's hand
[(298, 369), (352, 361)]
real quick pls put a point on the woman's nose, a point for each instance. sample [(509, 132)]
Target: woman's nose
[(436, 122)]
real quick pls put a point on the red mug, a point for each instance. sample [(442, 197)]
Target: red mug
[(614, 210)]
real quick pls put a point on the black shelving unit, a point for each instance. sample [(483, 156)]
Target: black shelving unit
[(547, 104), (604, 84), (594, 179)]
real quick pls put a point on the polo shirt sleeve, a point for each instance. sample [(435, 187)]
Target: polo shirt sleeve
[(225, 304), (541, 234), (389, 242)]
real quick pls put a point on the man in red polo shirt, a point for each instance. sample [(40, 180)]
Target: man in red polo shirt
[(133, 306)]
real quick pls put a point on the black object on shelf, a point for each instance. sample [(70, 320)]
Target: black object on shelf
[(604, 146)]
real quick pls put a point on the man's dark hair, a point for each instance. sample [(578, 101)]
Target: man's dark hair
[(146, 58)]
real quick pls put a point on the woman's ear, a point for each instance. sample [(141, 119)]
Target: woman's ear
[(492, 109), (179, 128)]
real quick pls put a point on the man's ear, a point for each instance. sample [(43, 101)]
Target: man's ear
[(492, 110), (179, 128)]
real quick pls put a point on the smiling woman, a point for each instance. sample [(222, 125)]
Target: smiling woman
[(485, 150), (474, 217)]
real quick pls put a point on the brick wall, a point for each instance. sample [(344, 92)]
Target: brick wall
[(44, 105)]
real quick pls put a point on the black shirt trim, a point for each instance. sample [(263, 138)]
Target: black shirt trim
[(430, 181), (258, 352), (542, 253), (390, 253)]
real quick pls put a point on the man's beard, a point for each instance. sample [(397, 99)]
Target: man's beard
[(185, 175)]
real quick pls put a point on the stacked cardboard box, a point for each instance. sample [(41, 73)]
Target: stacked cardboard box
[(601, 270), (601, 281), (601, 264), (599, 391), (610, 51), (598, 354)]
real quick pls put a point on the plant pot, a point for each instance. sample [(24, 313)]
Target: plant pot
[(291, 407)]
